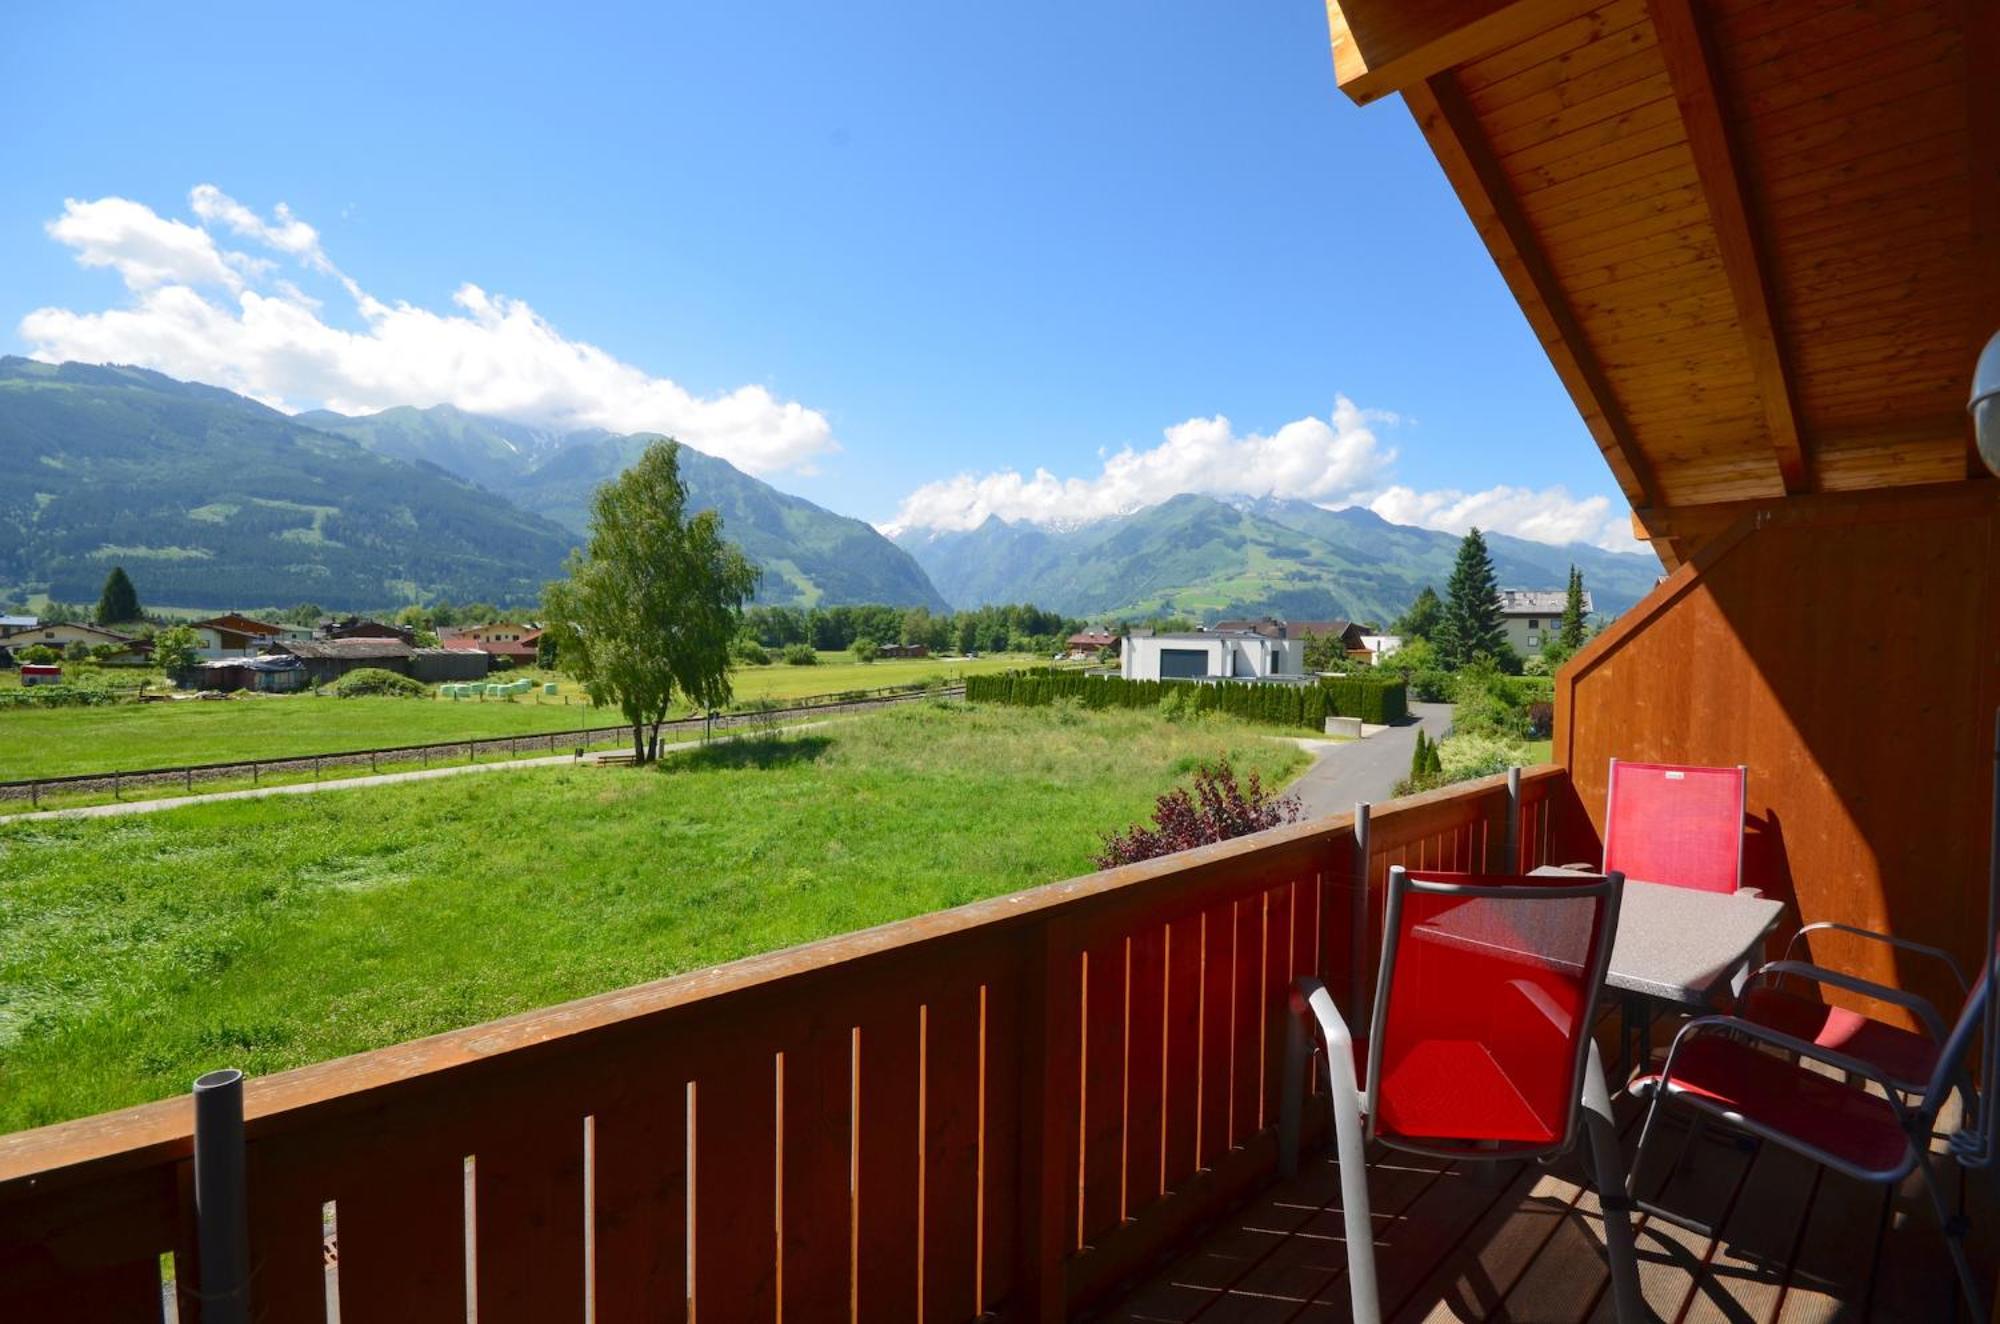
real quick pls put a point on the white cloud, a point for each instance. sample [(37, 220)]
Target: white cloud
[(1550, 515), (143, 247), (202, 312), (287, 233), (1336, 461), (1314, 459)]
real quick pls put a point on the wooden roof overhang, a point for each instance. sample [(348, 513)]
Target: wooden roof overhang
[(1759, 239)]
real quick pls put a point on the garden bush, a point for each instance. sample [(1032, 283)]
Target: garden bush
[(1218, 810), (800, 655), (751, 653), (377, 681)]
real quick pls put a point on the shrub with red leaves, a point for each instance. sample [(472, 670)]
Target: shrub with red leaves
[(1218, 810)]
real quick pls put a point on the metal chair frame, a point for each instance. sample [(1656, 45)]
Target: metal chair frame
[(1355, 1108), (1916, 1122)]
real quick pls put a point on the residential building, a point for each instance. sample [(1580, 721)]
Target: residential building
[(518, 643), (1212, 655), (1380, 646), (1089, 643), (133, 651), (1532, 617), (233, 635), (9, 623), (903, 650)]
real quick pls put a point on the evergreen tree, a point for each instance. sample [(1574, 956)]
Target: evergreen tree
[(120, 601), (1423, 617), (1471, 624), (1572, 621)]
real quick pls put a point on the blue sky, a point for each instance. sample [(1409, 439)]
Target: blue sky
[(880, 254)]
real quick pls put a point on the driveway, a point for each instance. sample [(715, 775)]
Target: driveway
[(1366, 771)]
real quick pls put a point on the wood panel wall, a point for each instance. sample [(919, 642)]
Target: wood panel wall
[(1847, 649)]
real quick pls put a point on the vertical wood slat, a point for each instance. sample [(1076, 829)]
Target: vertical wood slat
[(1245, 1034), (89, 1253), (951, 1154), (402, 1233), (1144, 1051), (886, 1272), (1182, 1014), (1005, 1093), (286, 1197), (735, 1180), (1281, 902), (640, 1138), (817, 1218), (529, 1213), (1102, 1077), (1217, 1026)]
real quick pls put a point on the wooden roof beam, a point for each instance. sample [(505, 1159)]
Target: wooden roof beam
[(1452, 129), (1383, 46), (1692, 68)]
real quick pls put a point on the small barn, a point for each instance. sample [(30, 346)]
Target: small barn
[(327, 660), (436, 665)]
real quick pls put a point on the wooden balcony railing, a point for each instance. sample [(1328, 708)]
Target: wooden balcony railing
[(1009, 1107)]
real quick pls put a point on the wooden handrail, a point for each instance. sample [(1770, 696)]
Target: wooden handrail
[(993, 1039)]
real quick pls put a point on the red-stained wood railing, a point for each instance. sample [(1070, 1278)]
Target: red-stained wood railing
[(1010, 1108)]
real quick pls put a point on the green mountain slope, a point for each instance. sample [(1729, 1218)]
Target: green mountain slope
[(809, 554), (1196, 556), (212, 500)]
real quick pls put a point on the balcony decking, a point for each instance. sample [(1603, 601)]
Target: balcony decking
[(1524, 1242)]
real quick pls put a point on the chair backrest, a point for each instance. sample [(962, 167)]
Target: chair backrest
[(1951, 1062), (1483, 1009), (1679, 826)]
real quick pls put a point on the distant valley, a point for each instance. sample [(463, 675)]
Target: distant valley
[(213, 500)]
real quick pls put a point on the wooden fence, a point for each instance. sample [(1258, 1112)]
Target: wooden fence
[(1009, 1107)]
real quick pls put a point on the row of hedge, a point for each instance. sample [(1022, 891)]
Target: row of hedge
[(62, 696), (1305, 706)]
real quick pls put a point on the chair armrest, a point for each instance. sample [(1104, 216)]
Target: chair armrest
[(1309, 995), (1902, 944), (1764, 1034), (1916, 1005)]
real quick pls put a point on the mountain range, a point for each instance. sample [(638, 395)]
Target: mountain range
[(1201, 557), (211, 499)]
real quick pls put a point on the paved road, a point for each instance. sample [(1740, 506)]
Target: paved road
[(118, 809), (1367, 771)]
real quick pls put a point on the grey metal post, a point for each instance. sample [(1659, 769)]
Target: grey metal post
[(1357, 940), (1608, 1166), (117, 785), (222, 1224), (1513, 820)]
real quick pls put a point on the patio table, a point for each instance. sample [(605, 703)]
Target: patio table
[(1680, 946)]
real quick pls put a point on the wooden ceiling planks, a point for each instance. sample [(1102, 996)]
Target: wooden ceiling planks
[(1757, 237)]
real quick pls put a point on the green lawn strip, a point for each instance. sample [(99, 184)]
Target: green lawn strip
[(54, 742), (271, 933)]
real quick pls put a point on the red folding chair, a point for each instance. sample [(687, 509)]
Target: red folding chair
[(1721, 1068), (1681, 826), (1480, 1046)]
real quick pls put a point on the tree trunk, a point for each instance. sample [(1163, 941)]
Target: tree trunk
[(638, 736)]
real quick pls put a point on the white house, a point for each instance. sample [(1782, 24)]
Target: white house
[(1380, 646), (1212, 655), (1534, 616), (233, 635)]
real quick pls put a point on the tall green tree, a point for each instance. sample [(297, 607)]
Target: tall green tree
[(653, 602), (1471, 623), (1421, 619), (120, 601), (1572, 619)]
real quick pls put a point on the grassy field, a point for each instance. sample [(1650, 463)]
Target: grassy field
[(53, 742), (269, 933)]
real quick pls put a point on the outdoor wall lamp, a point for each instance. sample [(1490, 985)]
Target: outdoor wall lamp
[(1985, 405)]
